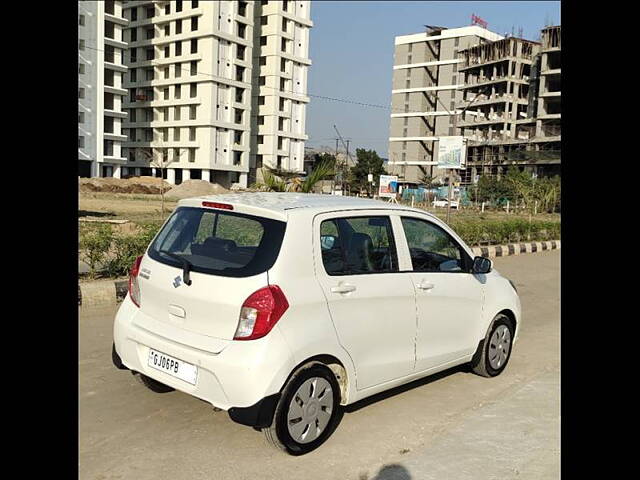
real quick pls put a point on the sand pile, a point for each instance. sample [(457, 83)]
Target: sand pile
[(194, 188), (122, 185)]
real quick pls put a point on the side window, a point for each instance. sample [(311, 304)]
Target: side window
[(431, 248), (358, 245)]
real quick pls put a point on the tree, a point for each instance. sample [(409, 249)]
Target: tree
[(367, 161), (158, 157), (279, 180)]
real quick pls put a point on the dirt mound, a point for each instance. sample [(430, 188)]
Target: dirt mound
[(195, 188), (149, 185)]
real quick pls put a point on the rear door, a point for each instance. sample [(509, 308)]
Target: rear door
[(230, 254), (372, 304)]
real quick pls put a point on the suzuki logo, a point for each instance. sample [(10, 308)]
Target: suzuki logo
[(177, 281)]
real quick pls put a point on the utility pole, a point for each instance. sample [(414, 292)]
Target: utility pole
[(344, 165)]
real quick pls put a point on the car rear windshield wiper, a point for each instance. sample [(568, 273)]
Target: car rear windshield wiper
[(186, 265)]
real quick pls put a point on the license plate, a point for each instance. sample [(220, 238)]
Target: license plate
[(173, 366)]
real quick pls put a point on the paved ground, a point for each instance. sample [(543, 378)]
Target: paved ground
[(454, 425)]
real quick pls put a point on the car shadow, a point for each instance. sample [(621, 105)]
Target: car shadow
[(354, 407), (393, 471)]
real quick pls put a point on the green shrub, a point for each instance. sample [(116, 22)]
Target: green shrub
[(95, 241), (127, 247), (476, 232)]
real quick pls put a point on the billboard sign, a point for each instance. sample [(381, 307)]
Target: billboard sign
[(388, 186), (451, 152)]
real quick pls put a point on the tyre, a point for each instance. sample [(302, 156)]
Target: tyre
[(152, 384), (307, 413), (495, 350)]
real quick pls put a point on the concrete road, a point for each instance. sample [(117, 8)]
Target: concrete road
[(454, 425)]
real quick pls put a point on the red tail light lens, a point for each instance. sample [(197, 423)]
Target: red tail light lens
[(223, 206), (260, 312), (134, 288)]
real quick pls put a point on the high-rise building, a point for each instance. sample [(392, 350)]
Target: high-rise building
[(426, 91), (100, 88), (217, 89), (512, 93)]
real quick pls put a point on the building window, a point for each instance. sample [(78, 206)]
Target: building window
[(81, 68), (134, 14), (284, 24), (281, 106), (194, 24), (260, 120), (263, 61), (193, 90), (166, 52), (81, 20), (178, 49), (237, 158), (178, 70), (261, 100), (194, 46), (133, 75), (194, 68), (284, 45), (150, 54), (178, 5), (242, 29), (192, 134), (262, 80), (260, 139), (165, 92), (239, 94), (176, 113), (178, 27), (192, 112), (194, 4), (176, 134), (283, 84), (263, 41), (165, 114), (237, 137), (167, 8), (242, 9), (80, 141), (81, 44), (149, 74), (166, 72), (80, 117), (240, 51), (178, 91), (81, 92), (192, 154), (167, 30), (150, 33), (264, 20), (133, 34), (239, 73)]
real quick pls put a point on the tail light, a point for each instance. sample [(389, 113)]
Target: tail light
[(134, 288), (260, 312)]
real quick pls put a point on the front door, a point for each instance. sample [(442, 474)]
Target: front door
[(372, 304), (448, 297)]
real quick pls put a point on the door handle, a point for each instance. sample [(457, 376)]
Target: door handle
[(425, 285), (343, 288)]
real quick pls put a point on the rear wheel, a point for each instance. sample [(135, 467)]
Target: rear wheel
[(308, 411), (152, 384), (495, 351)]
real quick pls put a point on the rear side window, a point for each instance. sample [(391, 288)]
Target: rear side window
[(358, 245), (219, 242)]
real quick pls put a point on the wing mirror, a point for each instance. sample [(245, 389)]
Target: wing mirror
[(481, 265), (327, 242)]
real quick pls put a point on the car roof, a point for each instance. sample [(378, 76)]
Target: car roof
[(280, 203)]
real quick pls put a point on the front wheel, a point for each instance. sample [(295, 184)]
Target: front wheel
[(308, 411), (495, 351)]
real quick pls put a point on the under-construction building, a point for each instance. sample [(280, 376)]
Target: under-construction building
[(511, 94)]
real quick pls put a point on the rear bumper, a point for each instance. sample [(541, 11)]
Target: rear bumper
[(237, 379)]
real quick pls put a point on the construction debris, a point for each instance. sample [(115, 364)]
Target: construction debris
[(194, 188), (150, 185)]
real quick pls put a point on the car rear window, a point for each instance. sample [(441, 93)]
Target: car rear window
[(219, 242)]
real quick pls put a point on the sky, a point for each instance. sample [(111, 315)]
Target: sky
[(351, 47)]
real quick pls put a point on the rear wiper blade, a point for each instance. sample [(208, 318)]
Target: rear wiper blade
[(186, 265)]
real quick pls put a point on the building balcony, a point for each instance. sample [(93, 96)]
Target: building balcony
[(115, 90), (115, 137), (480, 121), (471, 66), (117, 67), (550, 94), (484, 82), (114, 113), (115, 19), (112, 159), (551, 71), (115, 43), (492, 99)]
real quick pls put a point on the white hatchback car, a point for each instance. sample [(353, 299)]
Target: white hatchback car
[(281, 307), (443, 203)]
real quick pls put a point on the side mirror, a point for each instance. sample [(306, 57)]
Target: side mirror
[(481, 265), (327, 242)]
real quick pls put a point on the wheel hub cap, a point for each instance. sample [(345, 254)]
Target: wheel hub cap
[(310, 410), (499, 347)]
